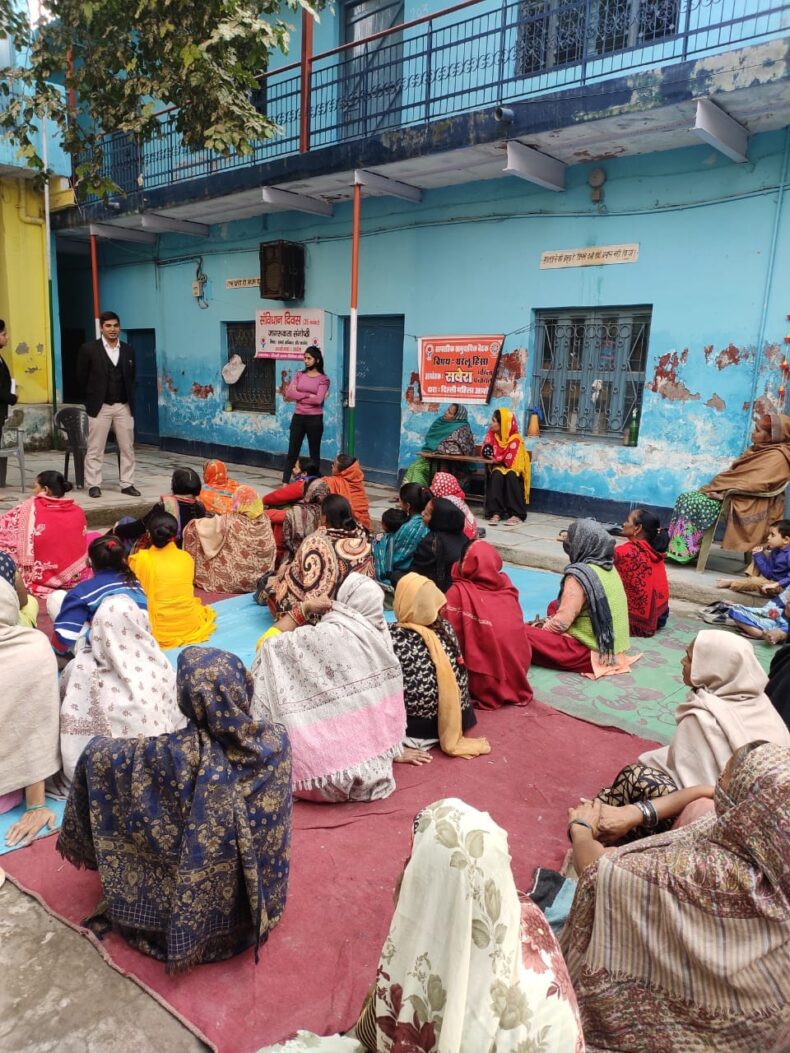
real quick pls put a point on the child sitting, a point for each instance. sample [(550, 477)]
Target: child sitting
[(182, 502), (111, 577), (769, 623), (393, 519), (769, 572)]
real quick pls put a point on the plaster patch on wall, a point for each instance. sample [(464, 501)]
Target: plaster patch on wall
[(202, 391), (285, 380), (759, 64), (510, 371), (22, 348), (412, 397), (166, 383), (665, 379), (708, 349), (32, 369), (714, 402), (730, 356)]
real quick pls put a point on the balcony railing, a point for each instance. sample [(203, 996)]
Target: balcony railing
[(472, 56)]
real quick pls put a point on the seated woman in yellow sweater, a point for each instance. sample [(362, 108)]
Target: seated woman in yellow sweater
[(167, 574)]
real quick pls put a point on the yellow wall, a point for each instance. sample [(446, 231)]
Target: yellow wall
[(23, 289)]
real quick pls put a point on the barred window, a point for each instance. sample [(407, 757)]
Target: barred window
[(590, 369), (555, 33), (254, 390)]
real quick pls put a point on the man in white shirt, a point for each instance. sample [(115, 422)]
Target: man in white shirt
[(105, 372)]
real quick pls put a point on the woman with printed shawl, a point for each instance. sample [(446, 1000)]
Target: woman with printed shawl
[(205, 876), (232, 550), (346, 730), (217, 492), (679, 942), (119, 685), (323, 560), (450, 433), (586, 627), (763, 467), (447, 486), (507, 492), (46, 536), (304, 518), (468, 966)]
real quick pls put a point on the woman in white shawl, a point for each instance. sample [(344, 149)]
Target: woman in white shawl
[(120, 685), (466, 967), (29, 750), (338, 690), (726, 708)]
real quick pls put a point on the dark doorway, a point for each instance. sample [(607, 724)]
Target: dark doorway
[(71, 340), (372, 72), (379, 379), (146, 388)]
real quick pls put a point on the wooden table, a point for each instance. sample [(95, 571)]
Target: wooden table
[(437, 460)]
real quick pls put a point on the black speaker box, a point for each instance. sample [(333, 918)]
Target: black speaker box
[(282, 270)]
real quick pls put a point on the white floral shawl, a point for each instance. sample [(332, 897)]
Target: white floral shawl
[(121, 685)]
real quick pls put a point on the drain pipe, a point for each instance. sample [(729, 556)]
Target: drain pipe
[(769, 277)]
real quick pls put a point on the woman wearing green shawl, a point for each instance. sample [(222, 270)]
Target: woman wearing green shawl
[(450, 433)]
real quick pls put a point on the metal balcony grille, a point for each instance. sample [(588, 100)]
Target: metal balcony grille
[(254, 391), (590, 369)]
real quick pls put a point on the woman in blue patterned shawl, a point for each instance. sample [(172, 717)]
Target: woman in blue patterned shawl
[(190, 832)]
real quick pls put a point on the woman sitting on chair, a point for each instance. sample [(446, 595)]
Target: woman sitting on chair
[(762, 468), (507, 494)]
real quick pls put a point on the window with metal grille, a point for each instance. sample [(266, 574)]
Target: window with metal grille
[(254, 390), (590, 369), (555, 33)]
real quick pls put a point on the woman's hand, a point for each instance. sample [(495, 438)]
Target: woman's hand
[(318, 605), (29, 825), (588, 812), (616, 822)]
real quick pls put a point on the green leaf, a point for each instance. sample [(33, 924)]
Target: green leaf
[(459, 860), (480, 934), (475, 844)]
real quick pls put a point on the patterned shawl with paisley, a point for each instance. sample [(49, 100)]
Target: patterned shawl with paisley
[(322, 563), (680, 941), (304, 517), (46, 537), (232, 550), (193, 867)]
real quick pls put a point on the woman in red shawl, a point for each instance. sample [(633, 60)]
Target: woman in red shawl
[(640, 564), (484, 610), (46, 536), (507, 493)]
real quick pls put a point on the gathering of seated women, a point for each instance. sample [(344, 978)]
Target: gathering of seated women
[(686, 849)]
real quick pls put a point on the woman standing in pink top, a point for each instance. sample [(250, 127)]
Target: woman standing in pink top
[(308, 390)]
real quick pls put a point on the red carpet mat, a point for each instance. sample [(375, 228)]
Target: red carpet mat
[(320, 960)]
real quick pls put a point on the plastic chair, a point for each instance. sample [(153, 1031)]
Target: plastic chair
[(724, 509), (15, 433), (72, 423)]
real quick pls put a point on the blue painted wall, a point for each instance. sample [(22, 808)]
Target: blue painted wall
[(467, 260)]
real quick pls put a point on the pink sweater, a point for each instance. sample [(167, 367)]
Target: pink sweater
[(308, 393)]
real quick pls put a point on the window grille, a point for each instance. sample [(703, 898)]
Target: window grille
[(555, 33), (254, 390), (590, 369)]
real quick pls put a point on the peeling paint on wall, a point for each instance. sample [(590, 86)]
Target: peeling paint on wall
[(412, 396), (665, 379), (166, 383), (202, 391), (22, 348), (714, 402), (285, 380), (509, 372), (731, 356)]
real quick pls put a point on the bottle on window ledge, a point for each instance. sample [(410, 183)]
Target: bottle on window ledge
[(632, 435)]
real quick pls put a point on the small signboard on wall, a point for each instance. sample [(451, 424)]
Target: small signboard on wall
[(458, 368), (288, 334)]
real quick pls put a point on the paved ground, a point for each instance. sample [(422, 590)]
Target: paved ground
[(534, 544), (57, 991)]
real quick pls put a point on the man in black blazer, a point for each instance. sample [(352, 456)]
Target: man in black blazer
[(105, 372), (7, 395)]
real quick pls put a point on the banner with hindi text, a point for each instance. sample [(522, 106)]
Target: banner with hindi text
[(458, 368)]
